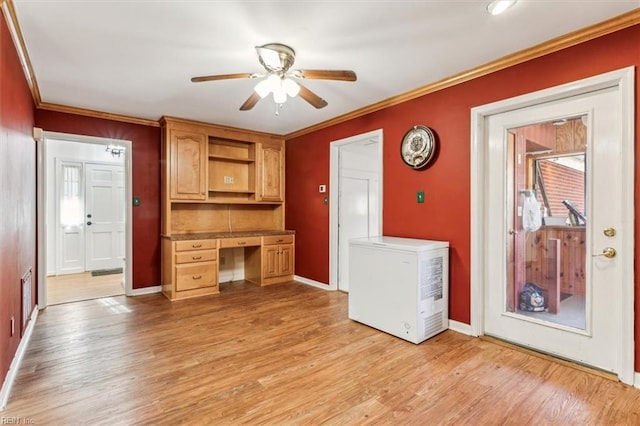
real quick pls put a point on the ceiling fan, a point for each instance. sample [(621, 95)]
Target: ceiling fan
[(277, 60)]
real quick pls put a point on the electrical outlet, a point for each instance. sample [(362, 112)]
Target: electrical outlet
[(228, 180), (13, 325)]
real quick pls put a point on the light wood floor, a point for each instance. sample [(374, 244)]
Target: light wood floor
[(286, 355), (75, 287)]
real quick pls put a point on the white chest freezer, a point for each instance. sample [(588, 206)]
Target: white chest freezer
[(400, 285)]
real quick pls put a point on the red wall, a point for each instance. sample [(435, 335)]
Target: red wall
[(17, 194), (445, 215), (145, 141)]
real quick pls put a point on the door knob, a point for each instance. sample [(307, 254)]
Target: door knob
[(89, 223), (608, 252)]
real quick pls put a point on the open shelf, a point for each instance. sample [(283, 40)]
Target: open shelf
[(232, 150), (232, 191), (229, 158), (232, 167)]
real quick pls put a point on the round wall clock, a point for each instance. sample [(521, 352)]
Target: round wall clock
[(418, 146)]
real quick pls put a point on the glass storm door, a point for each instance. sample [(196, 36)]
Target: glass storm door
[(555, 210)]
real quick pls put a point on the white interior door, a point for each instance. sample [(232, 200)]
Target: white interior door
[(105, 216), (597, 341), (70, 223), (354, 161), (358, 202), (353, 221)]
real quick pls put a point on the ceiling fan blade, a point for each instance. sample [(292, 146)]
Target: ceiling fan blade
[(250, 102), (222, 77), (311, 97), (342, 75)]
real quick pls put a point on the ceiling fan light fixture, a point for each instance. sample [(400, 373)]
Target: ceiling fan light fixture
[(496, 7), (291, 87), (280, 96), (267, 85)]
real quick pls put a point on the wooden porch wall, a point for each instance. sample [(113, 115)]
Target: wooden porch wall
[(572, 258)]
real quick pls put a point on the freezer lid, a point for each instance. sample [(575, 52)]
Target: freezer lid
[(398, 243)]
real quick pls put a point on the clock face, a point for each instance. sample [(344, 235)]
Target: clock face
[(418, 146)]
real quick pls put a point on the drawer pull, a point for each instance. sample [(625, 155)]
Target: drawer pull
[(197, 277), (279, 241), (241, 243), (196, 245), (196, 257)]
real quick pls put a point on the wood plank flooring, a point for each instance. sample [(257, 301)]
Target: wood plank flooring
[(75, 287), (286, 355)]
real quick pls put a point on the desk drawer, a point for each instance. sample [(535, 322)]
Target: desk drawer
[(195, 245), (196, 256), (277, 239), (203, 274), (240, 242)]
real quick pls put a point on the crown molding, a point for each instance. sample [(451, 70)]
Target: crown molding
[(618, 23), (9, 13), (97, 114)]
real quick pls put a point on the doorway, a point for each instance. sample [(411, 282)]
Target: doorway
[(84, 184), (523, 260), (356, 199)]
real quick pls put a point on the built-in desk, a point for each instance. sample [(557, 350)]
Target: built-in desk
[(190, 261)]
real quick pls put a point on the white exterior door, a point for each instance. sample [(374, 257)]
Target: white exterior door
[(104, 216), (70, 213), (597, 339)]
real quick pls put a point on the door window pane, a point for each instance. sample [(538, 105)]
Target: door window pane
[(547, 261), (70, 200)]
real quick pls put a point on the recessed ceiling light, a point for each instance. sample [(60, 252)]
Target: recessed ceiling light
[(496, 7)]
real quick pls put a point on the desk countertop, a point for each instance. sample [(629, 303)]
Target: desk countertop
[(217, 235)]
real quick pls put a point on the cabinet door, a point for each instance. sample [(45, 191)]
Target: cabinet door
[(272, 179), (188, 166), (286, 259), (270, 261)]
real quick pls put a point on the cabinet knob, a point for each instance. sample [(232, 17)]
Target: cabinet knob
[(196, 245), (196, 257), (197, 277)]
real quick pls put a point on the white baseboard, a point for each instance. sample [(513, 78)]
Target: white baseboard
[(145, 290), (312, 283), (460, 327), (17, 360), (636, 380)]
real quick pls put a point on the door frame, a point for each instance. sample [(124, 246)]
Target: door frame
[(334, 183), (623, 81), (41, 137)]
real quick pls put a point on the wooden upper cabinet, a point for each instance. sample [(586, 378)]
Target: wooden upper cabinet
[(188, 166), (271, 179)]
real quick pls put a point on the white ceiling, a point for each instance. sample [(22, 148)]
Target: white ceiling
[(137, 57)]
